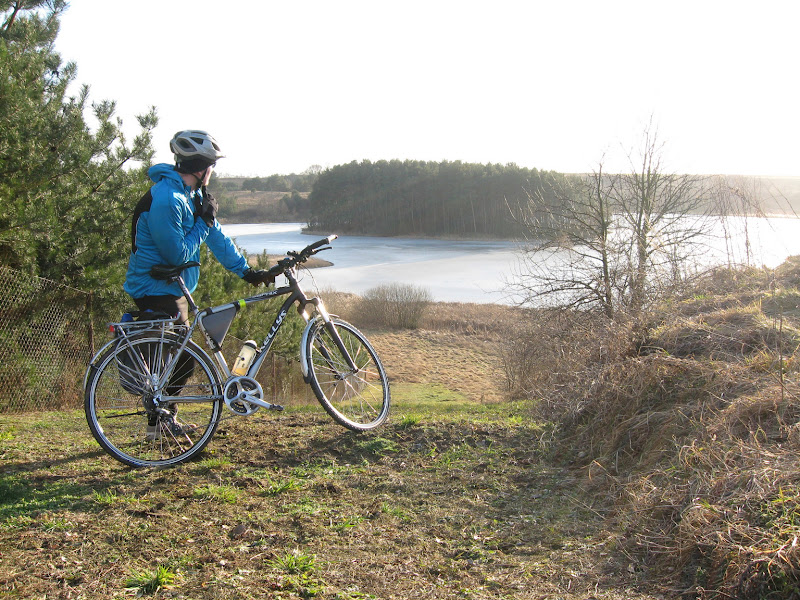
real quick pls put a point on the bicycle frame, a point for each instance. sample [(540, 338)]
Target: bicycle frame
[(295, 295)]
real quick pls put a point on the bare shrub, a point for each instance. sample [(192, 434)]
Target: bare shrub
[(397, 305), (619, 243), (554, 355)]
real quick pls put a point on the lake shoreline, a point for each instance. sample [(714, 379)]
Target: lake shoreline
[(444, 238)]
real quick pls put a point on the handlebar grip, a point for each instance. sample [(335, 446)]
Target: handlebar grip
[(296, 258), (275, 270), (322, 242)]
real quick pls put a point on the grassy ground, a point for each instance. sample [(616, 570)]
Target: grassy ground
[(294, 506), (451, 499), (644, 460)]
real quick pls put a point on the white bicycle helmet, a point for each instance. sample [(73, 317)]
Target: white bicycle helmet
[(193, 144)]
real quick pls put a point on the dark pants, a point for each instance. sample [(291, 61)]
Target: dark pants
[(174, 306)]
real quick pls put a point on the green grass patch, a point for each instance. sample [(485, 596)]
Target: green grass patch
[(209, 464), (107, 498), (145, 583), (346, 523), (424, 398), (18, 496), (294, 562), (218, 493), (281, 486), (409, 420), (378, 446)]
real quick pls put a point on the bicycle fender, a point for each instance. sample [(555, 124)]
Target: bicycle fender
[(304, 338), (96, 356)]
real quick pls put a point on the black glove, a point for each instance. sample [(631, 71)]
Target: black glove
[(209, 208), (254, 277)]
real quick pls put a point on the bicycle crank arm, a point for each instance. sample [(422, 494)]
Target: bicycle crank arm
[(247, 397)]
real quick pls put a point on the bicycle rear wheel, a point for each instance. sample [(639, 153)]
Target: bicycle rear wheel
[(141, 424), (358, 400)]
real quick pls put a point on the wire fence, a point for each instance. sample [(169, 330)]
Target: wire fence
[(46, 340)]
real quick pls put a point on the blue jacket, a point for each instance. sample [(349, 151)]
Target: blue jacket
[(167, 233)]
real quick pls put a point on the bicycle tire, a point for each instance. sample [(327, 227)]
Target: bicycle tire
[(358, 401), (118, 389)]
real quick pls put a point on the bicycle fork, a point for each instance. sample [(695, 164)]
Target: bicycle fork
[(325, 317)]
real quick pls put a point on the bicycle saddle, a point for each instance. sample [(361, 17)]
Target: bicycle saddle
[(163, 272)]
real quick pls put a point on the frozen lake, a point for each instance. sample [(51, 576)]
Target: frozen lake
[(476, 271), (453, 271)]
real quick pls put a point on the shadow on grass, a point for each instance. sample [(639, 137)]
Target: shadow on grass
[(28, 488), (20, 497)]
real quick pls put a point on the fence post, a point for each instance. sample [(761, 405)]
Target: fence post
[(90, 329)]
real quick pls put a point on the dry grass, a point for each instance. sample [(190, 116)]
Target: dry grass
[(692, 435)]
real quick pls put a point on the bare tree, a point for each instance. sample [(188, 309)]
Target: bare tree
[(567, 258), (736, 199), (664, 216), (610, 241)]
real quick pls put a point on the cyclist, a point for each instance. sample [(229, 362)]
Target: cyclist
[(173, 219), (170, 223)]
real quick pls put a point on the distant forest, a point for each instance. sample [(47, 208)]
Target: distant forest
[(423, 198), (390, 198), (436, 199)]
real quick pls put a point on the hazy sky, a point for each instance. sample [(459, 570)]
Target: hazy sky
[(553, 84)]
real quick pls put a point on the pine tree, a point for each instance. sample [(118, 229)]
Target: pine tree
[(66, 191)]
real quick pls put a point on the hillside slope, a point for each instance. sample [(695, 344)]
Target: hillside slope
[(690, 431)]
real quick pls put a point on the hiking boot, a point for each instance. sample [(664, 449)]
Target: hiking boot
[(181, 429)]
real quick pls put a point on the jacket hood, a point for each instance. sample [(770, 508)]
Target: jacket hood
[(164, 171)]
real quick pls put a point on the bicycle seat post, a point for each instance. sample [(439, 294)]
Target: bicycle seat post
[(179, 280)]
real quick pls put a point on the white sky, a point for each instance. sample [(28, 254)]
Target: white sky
[(551, 84)]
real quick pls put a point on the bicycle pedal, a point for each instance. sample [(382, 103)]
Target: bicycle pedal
[(277, 407)]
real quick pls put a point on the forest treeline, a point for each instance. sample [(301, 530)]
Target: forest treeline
[(425, 198), (409, 197)]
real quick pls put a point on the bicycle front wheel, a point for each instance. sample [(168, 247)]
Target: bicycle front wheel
[(357, 399), (141, 422)]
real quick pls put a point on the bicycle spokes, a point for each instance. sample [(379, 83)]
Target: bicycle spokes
[(347, 377)]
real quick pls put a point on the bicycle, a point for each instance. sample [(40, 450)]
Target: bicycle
[(154, 397)]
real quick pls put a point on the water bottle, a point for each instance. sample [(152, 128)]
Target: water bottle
[(246, 355)]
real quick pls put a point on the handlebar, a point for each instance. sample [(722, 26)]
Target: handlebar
[(295, 258)]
